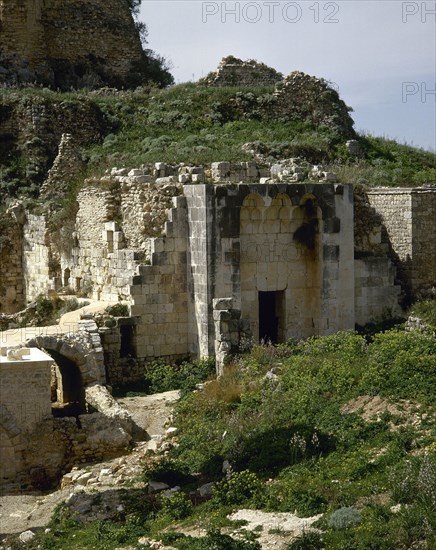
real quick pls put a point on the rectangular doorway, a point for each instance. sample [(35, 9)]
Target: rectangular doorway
[(271, 316)]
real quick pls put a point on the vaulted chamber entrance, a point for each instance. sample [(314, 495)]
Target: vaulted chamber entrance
[(271, 316), (67, 392)]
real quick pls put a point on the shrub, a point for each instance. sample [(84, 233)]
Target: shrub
[(237, 488), (177, 506), (309, 540), (161, 377), (169, 470), (344, 518), (118, 310)]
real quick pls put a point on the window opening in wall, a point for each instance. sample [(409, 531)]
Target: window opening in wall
[(271, 316), (67, 274), (67, 392), (128, 341)]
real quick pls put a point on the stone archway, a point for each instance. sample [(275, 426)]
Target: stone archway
[(67, 390), (82, 348)]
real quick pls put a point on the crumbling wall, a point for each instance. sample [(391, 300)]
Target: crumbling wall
[(235, 72), (38, 268), (159, 292), (302, 97), (11, 272)]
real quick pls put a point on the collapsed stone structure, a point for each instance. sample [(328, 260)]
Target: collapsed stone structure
[(290, 259), (207, 259), (65, 43), (232, 71), (54, 409)]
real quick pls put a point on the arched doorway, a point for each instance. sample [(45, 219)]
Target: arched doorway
[(67, 391)]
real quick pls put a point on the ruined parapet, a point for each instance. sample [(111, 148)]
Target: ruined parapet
[(66, 168), (235, 72), (302, 97)]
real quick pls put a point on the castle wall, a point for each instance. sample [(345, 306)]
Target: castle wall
[(24, 401), (11, 272), (159, 293), (66, 42), (376, 292), (37, 272), (410, 226), (237, 249)]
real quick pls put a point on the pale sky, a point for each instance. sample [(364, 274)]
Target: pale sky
[(381, 54)]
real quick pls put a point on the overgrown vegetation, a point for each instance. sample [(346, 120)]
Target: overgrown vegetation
[(426, 311), (43, 311), (298, 428), (160, 376), (194, 124)]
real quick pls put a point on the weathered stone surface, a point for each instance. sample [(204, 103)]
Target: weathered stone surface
[(235, 72), (66, 43)]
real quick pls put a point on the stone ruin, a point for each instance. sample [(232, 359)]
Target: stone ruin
[(207, 259), (64, 43), (55, 411), (232, 71)]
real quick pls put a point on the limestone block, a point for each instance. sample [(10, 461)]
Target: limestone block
[(111, 226)]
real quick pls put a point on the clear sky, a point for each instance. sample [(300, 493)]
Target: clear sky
[(381, 54)]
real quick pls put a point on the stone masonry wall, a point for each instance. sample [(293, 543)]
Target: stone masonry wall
[(37, 264), (24, 401), (11, 272), (220, 251), (410, 225), (160, 291), (69, 42)]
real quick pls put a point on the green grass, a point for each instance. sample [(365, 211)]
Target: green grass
[(193, 124), (294, 448)]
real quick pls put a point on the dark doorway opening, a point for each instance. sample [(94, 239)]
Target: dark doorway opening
[(128, 341), (271, 316), (67, 391)]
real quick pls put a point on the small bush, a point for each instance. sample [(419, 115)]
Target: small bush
[(168, 470), (177, 506), (237, 488), (344, 518), (118, 310), (309, 540), (161, 377)]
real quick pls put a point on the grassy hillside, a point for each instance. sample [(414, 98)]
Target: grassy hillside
[(336, 425), (187, 123)]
